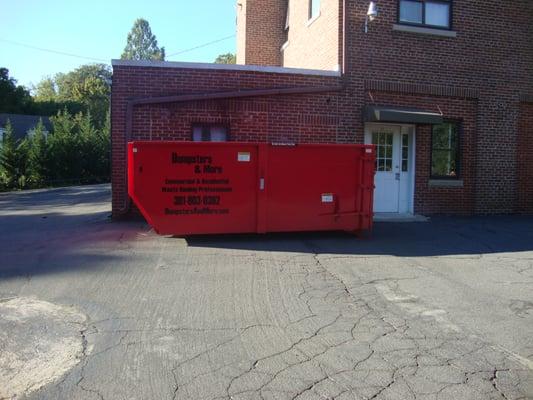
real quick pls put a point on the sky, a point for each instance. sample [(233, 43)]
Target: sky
[(98, 29)]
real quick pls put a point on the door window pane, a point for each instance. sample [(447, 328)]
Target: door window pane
[(405, 153), (383, 142), (411, 11), (438, 14), (445, 151)]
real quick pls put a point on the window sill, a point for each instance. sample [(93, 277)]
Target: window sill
[(313, 19), (424, 31), (445, 183)]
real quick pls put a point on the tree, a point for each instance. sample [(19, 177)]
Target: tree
[(77, 150), (102, 144), (13, 98), (65, 163), (8, 157), (228, 58), (86, 89), (37, 172), (88, 146), (45, 90), (13, 160), (142, 44)]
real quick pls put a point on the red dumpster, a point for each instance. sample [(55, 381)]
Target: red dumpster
[(185, 188)]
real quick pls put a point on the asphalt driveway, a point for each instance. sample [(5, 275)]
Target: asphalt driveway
[(95, 309)]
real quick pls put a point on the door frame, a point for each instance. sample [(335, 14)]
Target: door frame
[(411, 130)]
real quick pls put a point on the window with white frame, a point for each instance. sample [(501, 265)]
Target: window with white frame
[(429, 13), (314, 8), (288, 14)]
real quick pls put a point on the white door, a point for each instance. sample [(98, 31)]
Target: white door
[(394, 167)]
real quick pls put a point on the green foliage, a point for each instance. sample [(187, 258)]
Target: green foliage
[(78, 148), (63, 147), (8, 156), (13, 160), (45, 90), (14, 99), (76, 151), (53, 107), (142, 44), (228, 58), (37, 170), (87, 89)]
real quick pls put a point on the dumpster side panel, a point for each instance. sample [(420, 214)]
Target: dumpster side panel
[(195, 188), (185, 188), (316, 187)]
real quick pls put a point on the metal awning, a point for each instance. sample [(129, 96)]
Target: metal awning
[(403, 115)]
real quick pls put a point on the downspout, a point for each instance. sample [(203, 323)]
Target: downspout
[(343, 44), (204, 96)]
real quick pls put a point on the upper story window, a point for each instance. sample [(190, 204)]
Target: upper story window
[(430, 13), (314, 8), (209, 133), (288, 14)]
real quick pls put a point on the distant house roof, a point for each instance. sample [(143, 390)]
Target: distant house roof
[(23, 123)]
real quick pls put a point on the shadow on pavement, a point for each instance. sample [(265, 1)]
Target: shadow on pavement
[(69, 229), (440, 237), (62, 197), (55, 243)]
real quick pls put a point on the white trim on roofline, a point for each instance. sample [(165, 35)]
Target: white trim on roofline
[(229, 67)]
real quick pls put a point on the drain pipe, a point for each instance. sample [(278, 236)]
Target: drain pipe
[(343, 50), (205, 96)]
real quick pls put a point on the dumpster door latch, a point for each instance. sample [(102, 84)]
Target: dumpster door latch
[(261, 183)]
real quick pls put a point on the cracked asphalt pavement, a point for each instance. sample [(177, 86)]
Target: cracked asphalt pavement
[(434, 310)]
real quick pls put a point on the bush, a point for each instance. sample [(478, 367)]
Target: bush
[(75, 152)]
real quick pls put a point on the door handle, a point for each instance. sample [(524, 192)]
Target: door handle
[(397, 176), (261, 183)]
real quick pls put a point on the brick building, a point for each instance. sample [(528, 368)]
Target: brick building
[(443, 88)]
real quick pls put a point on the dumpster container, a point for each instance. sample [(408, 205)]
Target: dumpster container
[(186, 188)]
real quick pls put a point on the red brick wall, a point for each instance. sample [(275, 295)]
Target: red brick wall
[(331, 117), (301, 118), (525, 160), (431, 199), (313, 43), (260, 31), (491, 55), (477, 77)]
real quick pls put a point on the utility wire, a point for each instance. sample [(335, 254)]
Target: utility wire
[(53, 51), (103, 60), (201, 45)]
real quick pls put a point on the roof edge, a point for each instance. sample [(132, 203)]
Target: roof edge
[(227, 67)]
